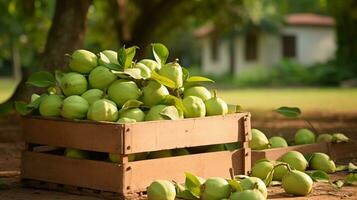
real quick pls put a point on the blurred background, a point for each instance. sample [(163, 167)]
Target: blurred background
[(263, 54)]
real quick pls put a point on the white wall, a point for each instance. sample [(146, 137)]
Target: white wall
[(219, 66)]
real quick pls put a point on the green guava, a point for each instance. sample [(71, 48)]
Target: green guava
[(103, 110), (34, 97), (140, 156), (180, 152), (155, 113), (233, 146), (120, 91), (133, 113), (83, 61), (161, 190), (73, 83), (101, 77), (251, 183), (279, 172), (297, 183), (198, 91), (277, 141), (144, 70), (126, 120), (247, 195), (194, 107), (160, 154), (74, 107), (111, 55), (76, 153), (215, 147), (115, 158), (93, 95), (295, 159), (173, 71), (321, 161), (153, 93), (216, 106), (259, 141), (261, 168), (152, 64), (304, 136), (215, 188), (324, 138), (50, 106)]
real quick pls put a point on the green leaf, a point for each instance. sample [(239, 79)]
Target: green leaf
[(36, 104), (352, 167), (132, 103), (170, 112), (308, 157), (235, 185), (6, 107), (319, 176), (183, 193), (58, 76), (106, 62), (193, 184), (195, 79), (232, 146), (275, 183), (162, 80), (42, 79), (21, 107), (337, 184), (161, 53), (351, 179), (122, 57), (341, 168), (185, 73), (103, 58), (130, 54), (134, 73), (291, 112), (269, 178), (172, 100)]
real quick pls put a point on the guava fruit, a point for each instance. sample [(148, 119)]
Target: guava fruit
[(74, 107), (144, 70), (339, 137), (155, 113), (173, 71), (151, 64), (34, 97), (76, 153), (50, 105), (232, 146), (297, 183), (295, 159), (215, 147), (83, 61), (153, 93), (251, 183), (73, 83), (198, 91), (103, 110), (133, 113), (247, 195), (111, 55), (304, 136), (215, 188), (324, 138), (126, 120), (279, 172), (93, 95), (161, 190), (180, 152), (321, 161), (194, 107), (101, 77), (160, 154), (259, 140), (261, 168), (140, 156), (277, 141), (115, 158), (120, 91), (216, 106)]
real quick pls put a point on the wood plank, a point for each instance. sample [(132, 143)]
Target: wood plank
[(73, 172), (102, 137), (276, 153), (138, 175), (344, 150), (156, 135)]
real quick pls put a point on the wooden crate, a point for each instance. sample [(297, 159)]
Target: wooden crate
[(127, 178), (336, 151)]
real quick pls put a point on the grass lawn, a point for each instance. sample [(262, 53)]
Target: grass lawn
[(7, 86), (308, 99)]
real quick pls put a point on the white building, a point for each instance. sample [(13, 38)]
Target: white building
[(306, 38)]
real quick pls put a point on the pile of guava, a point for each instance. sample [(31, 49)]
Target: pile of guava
[(114, 87)]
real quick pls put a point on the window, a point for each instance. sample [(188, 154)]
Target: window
[(289, 46), (251, 47)]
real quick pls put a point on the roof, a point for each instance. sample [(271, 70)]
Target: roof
[(309, 19)]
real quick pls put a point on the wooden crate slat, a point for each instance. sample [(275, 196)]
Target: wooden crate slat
[(102, 137), (82, 173), (151, 136), (276, 153), (138, 175)]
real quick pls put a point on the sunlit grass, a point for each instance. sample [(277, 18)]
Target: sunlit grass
[(7, 87)]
